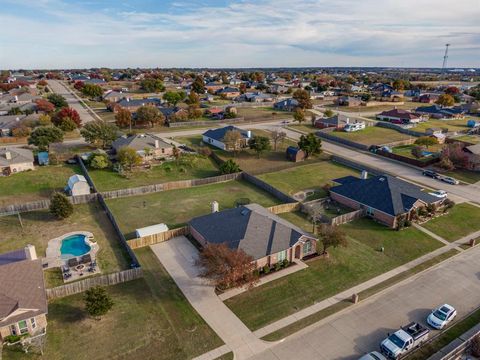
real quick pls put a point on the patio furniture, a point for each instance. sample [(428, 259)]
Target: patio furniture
[(85, 259), (72, 262)]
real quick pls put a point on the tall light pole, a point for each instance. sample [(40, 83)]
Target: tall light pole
[(445, 57)]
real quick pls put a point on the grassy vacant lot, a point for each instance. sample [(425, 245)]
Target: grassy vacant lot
[(313, 176), (262, 113), (372, 135), (176, 207), (34, 185), (189, 167), (305, 127), (452, 125), (378, 108), (151, 319), (40, 226), (346, 267), (462, 220), (406, 150)]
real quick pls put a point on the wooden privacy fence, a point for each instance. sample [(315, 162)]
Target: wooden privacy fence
[(389, 125), (345, 218), (356, 165), (284, 208), (86, 174), (325, 134), (268, 188), (85, 284), (157, 238), (182, 184)]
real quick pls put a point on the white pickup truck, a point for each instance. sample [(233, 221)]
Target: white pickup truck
[(404, 340)]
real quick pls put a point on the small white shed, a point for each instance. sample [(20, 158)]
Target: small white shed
[(77, 185), (151, 230)]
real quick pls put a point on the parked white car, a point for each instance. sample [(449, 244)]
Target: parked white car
[(441, 316), (439, 193), (450, 180), (374, 355)]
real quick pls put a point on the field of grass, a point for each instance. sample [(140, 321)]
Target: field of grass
[(372, 135), (305, 127), (150, 319), (452, 125), (474, 139), (34, 185), (468, 176), (189, 167), (40, 226), (313, 176), (176, 207), (462, 220), (262, 113), (346, 267), (406, 150)]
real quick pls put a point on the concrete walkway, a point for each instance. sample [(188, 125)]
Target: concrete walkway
[(178, 256), (432, 234)]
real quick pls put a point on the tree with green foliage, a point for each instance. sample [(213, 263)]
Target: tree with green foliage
[(123, 118), (98, 161), (331, 236), (328, 113), (60, 206), (97, 301), (15, 111), (232, 139), (259, 144), (128, 158), (150, 115), (152, 85), (92, 90), (99, 133), (299, 115), (174, 97), (303, 99), (57, 100), (193, 99), (198, 85), (445, 100), (229, 167), (426, 141), (43, 136), (310, 144), (417, 152)]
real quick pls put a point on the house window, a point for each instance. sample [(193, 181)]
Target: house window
[(33, 322), (370, 211), (13, 330), (163, 151), (22, 326), (307, 248), (282, 255)]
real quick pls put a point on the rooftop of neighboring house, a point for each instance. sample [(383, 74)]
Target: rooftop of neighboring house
[(10, 156), (338, 119), (10, 121), (219, 134), (22, 287), (437, 109), (474, 149), (400, 113), (228, 89), (140, 142), (385, 193), (127, 102), (251, 228)]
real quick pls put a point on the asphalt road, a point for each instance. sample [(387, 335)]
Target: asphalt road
[(362, 327), (58, 88)]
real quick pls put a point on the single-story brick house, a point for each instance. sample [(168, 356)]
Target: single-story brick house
[(338, 121), (439, 112), (14, 160), (399, 116), (215, 137), (348, 101), (266, 237), (148, 146), (385, 198), (472, 154), (228, 92), (286, 105), (23, 302)]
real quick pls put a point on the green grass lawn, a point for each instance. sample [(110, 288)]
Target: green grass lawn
[(34, 185), (372, 135), (262, 113), (346, 267), (462, 220), (467, 176), (474, 139), (305, 127), (189, 167), (176, 207), (406, 150), (452, 125), (150, 319), (40, 226), (313, 176)]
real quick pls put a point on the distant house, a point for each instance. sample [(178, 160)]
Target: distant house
[(266, 237), (228, 92), (384, 198), (9, 122), (472, 155), (439, 112), (134, 104), (295, 154), (114, 96), (399, 116), (77, 185), (213, 86), (426, 98), (171, 112), (348, 101), (338, 122), (148, 146), (14, 160), (215, 137), (257, 97), (23, 302), (289, 104)]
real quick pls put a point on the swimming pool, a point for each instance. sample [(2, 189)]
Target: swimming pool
[(74, 245)]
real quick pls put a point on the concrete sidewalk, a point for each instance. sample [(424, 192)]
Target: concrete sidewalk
[(178, 256)]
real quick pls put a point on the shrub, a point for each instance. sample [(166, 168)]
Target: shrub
[(408, 223), (229, 167), (98, 161), (285, 263), (60, 206), (12, 338), (167, 168), (266, 269), (97, 301), (278, 266)]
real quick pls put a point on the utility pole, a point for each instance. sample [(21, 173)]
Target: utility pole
[(445, 57)]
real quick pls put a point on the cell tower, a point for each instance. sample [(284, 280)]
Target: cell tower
[(445, 57)]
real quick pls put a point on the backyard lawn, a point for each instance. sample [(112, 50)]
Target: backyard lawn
[(313, 176), (189, 167), (462, 220), (372, 135), (34, 185), (150, 319), (346, 267), (406, 150), (452, 125), (176, 207), (40, 226)]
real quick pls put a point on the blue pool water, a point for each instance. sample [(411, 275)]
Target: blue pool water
[(74, 245)]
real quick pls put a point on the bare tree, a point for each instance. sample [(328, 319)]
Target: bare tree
[(277, 136), (331, 236), (232, 139)]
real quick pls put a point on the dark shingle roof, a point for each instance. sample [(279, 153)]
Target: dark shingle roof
[(385, 193), (251, 228), (219, 134)]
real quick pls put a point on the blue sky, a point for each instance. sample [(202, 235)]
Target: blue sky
[(237, 33)]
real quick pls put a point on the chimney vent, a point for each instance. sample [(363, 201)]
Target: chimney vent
[(214, 206), (8, 155), (30, 252), (364, 175), (157, 144)]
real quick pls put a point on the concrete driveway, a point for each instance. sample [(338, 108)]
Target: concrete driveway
[(178, 257), (360, 329)]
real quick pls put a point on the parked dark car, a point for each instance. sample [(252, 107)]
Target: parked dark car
[(431, 173)]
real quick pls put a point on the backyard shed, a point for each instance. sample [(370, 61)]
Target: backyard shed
[(77, 185), (42, 158), (151, 230), (295, 154)]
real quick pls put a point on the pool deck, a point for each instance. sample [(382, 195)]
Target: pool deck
[(53, 256)]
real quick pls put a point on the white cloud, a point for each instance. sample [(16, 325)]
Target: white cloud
[(246, 33)]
